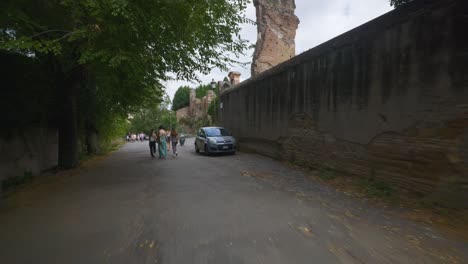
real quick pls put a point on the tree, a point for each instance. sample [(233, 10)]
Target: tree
[(202, 90), (119, 49), (151, 118), (181, 98), (27, 93), (213, 109), (398, 3)]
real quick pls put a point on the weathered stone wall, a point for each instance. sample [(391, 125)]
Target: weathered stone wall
[(387, 100), (31, 150), (276, 31), (197, 109), (182, 113)]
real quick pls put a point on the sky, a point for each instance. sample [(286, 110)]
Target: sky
[(320, 21)]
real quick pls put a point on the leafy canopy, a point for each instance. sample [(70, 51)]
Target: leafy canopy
[(151, 118), (149, 38), (126, 46), (181, 98), (111, 55)]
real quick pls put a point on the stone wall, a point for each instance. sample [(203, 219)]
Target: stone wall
[(276, 31), (32, 150), (197, 109), (387, 100), (182, 113)]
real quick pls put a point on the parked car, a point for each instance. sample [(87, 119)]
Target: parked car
[(215, 140)]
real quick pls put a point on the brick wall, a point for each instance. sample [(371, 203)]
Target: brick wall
[(387, 100)]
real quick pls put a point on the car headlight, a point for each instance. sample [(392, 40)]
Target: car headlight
[(212, 141)]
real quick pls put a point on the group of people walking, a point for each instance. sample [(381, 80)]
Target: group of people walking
[(164, 140), (134, 137)]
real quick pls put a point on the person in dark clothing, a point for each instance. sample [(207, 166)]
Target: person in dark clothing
[(174, 141), (152, 143)]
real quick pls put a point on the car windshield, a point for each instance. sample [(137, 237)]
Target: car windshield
[(216, 132)]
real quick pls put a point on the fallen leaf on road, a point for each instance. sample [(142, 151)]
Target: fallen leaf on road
[(302, 229)]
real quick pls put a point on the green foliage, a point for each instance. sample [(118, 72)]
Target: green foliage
[(110, 129), (195, 124), (377, 188), (398, 3), (111, 55), (151, 118), (213, 109), (202, 122), (181, 98), (202, 90), (327, 174), (146, 39)]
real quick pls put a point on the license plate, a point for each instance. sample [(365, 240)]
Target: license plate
[(225, 147)]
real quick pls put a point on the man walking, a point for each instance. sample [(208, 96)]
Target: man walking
[(152, 142)]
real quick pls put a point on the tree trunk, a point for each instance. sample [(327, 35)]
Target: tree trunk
[(91, 138), (68, 124)]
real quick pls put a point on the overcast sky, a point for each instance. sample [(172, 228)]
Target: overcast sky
[(319, 21)]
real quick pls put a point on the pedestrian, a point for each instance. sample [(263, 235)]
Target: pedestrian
[(162, 143), (182, 139), (168, 141), (152, 143), (174, 141)]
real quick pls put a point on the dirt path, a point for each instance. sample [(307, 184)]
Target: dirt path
[(128, 208)]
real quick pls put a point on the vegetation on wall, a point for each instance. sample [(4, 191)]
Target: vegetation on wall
[(182, 95), (202, 90), (195, 123), (213, 109)]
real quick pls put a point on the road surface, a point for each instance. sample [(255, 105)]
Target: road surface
[(128, 208)]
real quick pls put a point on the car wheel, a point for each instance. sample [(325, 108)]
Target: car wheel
[(196, 148), (207, 152), (233, 153)]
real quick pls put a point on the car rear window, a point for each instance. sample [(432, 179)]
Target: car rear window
[(216, 132)]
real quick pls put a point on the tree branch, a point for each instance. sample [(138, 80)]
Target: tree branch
[(49, 31)]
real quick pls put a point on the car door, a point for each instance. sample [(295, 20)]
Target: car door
[(199, 141), (197, 138)]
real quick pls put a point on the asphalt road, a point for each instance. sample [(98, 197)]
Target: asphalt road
[(129, 208)]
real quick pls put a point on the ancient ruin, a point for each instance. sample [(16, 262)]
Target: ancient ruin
[(196, 110), (234, 77), (198, 107), (276, 27)]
